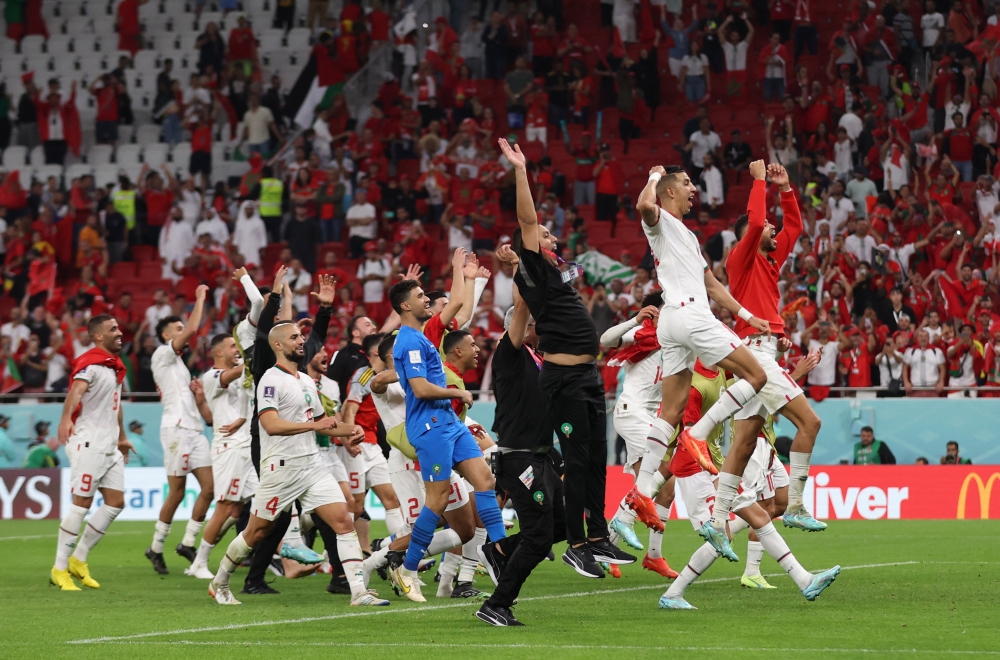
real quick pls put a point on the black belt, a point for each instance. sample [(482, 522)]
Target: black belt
[(505, 451)]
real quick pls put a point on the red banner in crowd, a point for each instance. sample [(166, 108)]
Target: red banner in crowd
[(877, 492), (30, 494)]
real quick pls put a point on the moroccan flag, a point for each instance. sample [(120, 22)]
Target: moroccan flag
[(10, 376)]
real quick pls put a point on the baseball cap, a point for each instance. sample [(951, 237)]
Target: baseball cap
[(134, 424), (42, 427), (371, 246), (4, 418)]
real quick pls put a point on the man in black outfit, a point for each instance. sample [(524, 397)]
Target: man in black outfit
[(262, 358), (350, 358), (525, 443), (570, 381)]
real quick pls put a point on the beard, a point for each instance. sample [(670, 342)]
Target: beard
[(113, 346), (424, 315), (293, 355)]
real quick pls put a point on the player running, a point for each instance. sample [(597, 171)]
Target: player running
[(232, 466), (698, 492), (290, 414), (185, 448), (442, 443), (753, 266), (639, 355), (687, 330), (91, 428)]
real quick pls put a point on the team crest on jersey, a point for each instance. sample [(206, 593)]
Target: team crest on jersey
[(309, 399), (566, 428), (436, 468), (538, 496)]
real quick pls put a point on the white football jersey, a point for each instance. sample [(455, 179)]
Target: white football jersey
[(641, 389), (96, 420), (173, 380), (391, 405), (246, 334), (228, 404), (294, 397), (680, 266)]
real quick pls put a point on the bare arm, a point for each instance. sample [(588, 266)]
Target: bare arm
[(229, 375), (527, 216), (456, 299), (719, 294), (286, 303), (274, 425), (646, 204), (519, 323), (427, 391), (73, 398), (194, 321), (380, 383)]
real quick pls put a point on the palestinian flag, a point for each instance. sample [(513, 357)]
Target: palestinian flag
[(10, 376), (320, 81), (602, 268)]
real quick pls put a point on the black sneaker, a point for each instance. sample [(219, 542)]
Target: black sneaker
[(466, 590), (187, 551), (276, 567), (492, 560), (551, 556), (497, 616), (159, 565), (583, 562), (604, 550), (259, 589), (339, 586)]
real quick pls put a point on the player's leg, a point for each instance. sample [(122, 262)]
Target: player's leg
[(69, 532), (633, 428), (112, 487), (743, 446), (752, 378), (393, 516), (198, 512), (469, 555), (807, 424), (654, 559), (338, 516), (256, 530), (435, 502), (216, 526), (469, 462)]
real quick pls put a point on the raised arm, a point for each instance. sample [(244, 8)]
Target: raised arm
[(456, 298), (647, 204), (612, 337), (194, 321), (527, 216), (792, 225), (744, 252)]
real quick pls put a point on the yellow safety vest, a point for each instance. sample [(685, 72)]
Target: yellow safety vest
[(270, 197), (124, 203)]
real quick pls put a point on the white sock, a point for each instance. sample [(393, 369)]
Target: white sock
[(625, 513), (235, 554), (442, 541), (94, 531), (470, 558), (728, 486), (655, 548), (394, 520), (798, 463), (204, 550), (450, 565), (305, 523), (293, 536), (658, 481), (731, 401), (771, 540), (160, 535), (702, 558), (225, 527), (656, 448), (191, 532), (737, 526), (69, 530), (349, 549), (755, 552)]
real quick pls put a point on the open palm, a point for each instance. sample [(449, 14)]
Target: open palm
[(513, 154)]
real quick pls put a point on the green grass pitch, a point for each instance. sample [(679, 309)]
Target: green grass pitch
[(909, 588)]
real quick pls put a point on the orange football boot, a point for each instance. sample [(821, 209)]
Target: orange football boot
[(698, 450), (659, 566), (645, 509)]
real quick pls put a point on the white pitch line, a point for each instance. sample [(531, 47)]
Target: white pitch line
[(416, 610), (53, 536), (561, 647)]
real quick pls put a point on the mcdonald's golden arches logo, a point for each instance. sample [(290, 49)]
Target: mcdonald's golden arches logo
[(985, 491)]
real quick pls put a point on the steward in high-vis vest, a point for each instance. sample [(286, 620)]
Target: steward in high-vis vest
[(871, 451), (269, 200), (124, 201)]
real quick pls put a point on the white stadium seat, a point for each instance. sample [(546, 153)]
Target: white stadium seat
[(77, 170), (59, 44), (105, 174), (37, 157), (147, 135), (33, 44), (14, 157), (100, 154), (155, 154), (181, 155), (43, 172), (128, 155)]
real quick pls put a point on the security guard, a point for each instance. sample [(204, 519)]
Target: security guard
[(124, 201), (271, 192)]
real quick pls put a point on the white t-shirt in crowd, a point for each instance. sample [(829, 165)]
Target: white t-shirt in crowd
[(825, 372), (258, 123), (357, 211), (924, 364), (736, 56), (374, 290), (17, 333), (696, 64), (931, 26), (704, 144), (296, 281), (860, 247)]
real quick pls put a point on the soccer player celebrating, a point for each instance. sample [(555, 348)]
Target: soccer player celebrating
[(753, 266), (635, 411), (290, 414), (570, 380), (91, 428), (441, 441), (185, 449), (687, 330), (232, 467)]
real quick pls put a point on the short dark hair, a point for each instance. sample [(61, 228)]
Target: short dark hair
[(164, 322), (385, 347), (218, 339), (371, 341), (740, 228), (950, 443), (654, 298), (352, 325), (452, 339), (434, 295), (95, 323), (869, 429), (672, 171), (264, 290), (399, 293)]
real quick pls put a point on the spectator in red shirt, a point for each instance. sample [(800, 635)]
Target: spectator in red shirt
[(961, 141), (544, 38), (586, 158), (129, 30), (159, 200), (243, 48), (201, 148), (961, 294), (856, 356), (609, 184), (107, 107), (462, 190), (378, 23)]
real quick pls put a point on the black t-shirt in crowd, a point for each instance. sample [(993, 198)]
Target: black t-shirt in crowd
[(562, 321), (520, 421)]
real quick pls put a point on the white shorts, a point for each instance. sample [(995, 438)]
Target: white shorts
[(184, 451), (233, 473), (304, 479), (689, 332), (366, 470), (764, 473), (92, 470), (331, 459), (633, 427), (675, 67), (536, 134), (409, 487), (698, 493), (779, 388)]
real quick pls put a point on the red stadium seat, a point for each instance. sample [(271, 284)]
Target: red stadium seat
[(143, 253)]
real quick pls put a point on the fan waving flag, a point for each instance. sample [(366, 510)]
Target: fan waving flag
[(602, 268), (10, 376), (320, 81)]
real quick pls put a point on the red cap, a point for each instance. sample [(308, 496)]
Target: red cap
[(441, 20), (28, 77), (371, 246)]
